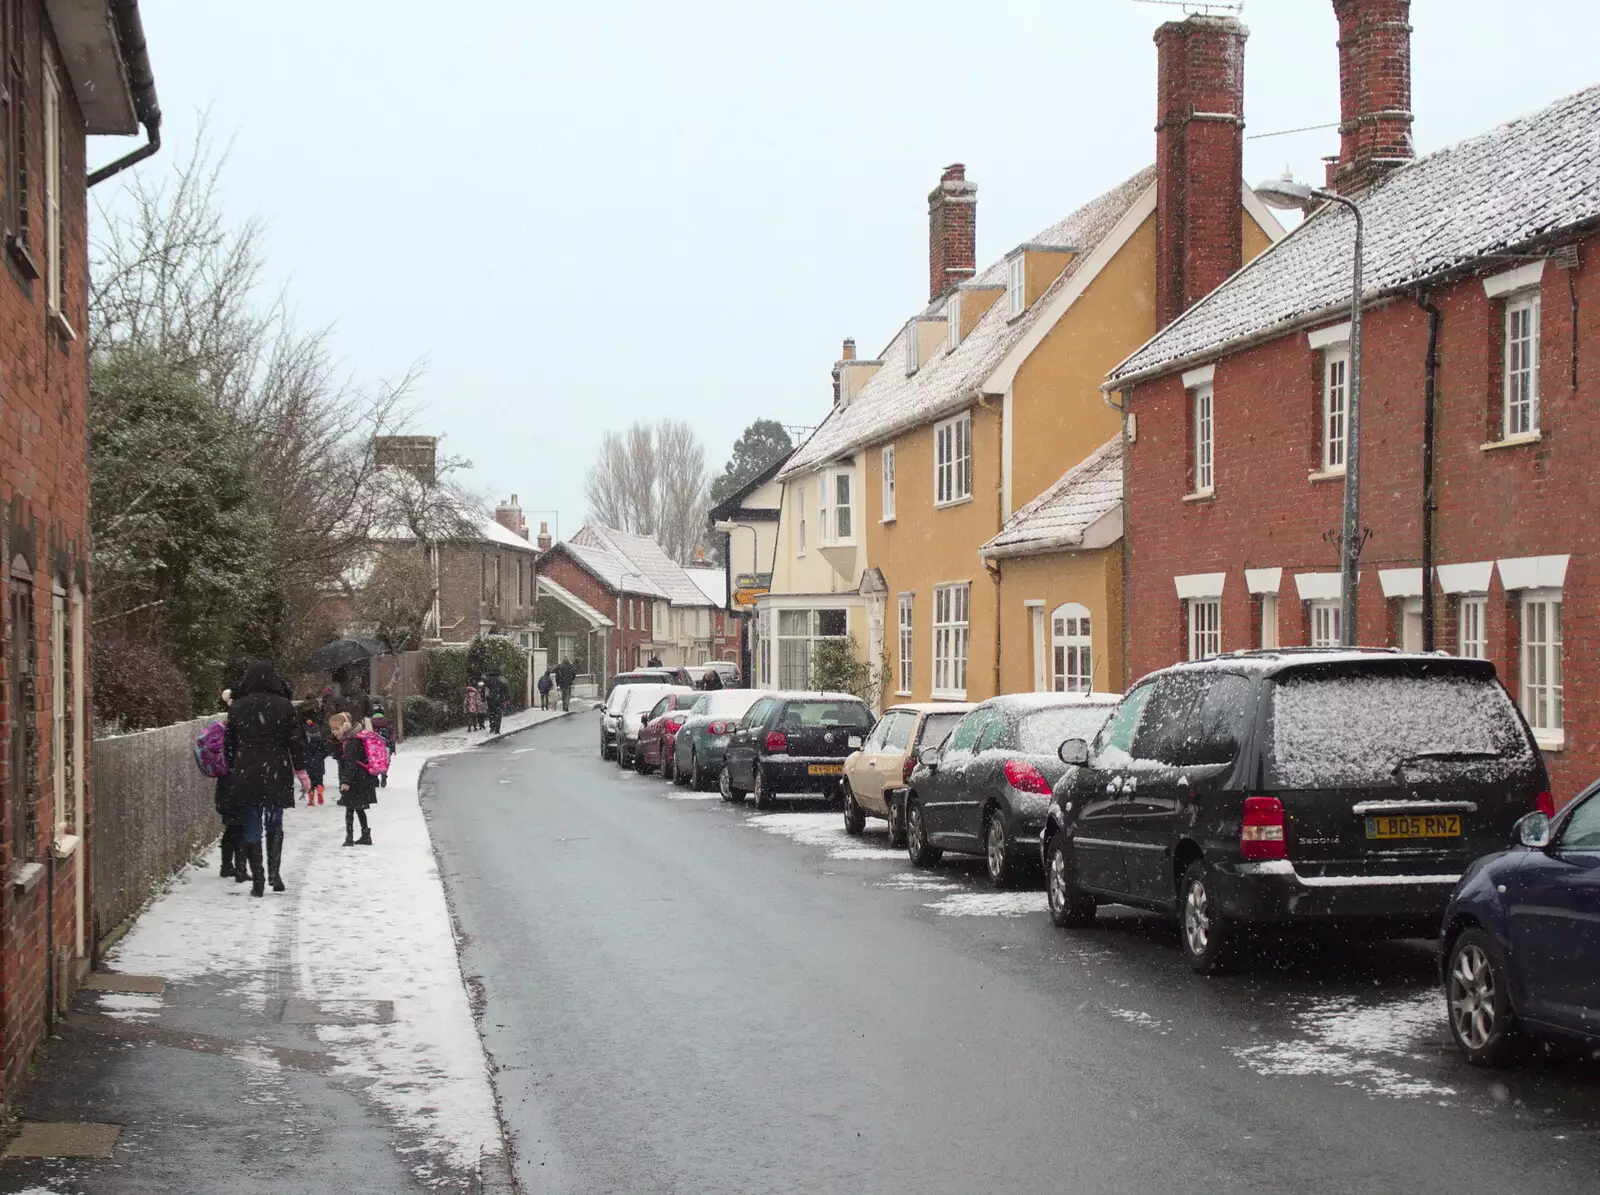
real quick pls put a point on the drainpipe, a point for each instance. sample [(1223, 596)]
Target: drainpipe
[(1430, 379), (141, 81)]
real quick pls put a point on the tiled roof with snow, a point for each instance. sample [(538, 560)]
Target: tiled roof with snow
[(891, 401), (1057, 518), (643, 556), (1494, 192), (614, 569), (574, 603)]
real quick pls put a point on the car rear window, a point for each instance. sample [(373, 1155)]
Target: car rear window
[(1365, 729), (936, 728), (728, 704), (802, 714), (1043, 731)]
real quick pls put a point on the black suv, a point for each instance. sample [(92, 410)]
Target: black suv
[(793, 743), (1276, 788)]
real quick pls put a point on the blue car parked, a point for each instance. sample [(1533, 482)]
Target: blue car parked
[(1521, 941)]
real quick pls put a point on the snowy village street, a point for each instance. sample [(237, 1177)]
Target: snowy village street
[(679, 995)]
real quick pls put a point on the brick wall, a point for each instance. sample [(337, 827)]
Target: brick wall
[(1530, 499), (44, 497), (628, 640), (471, 598)]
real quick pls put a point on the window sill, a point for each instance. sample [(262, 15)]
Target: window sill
[(885, 522), (1317, 475), (1512, 441), (937, 505), (948, 695), (1550, 740), (1201, 496), (25, 877), (58, 321), (24, 259), (902, 692), (67, 845)]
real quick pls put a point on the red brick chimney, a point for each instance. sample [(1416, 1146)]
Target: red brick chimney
[(509, 516), (1374, 92), (1199, 158), (952, 231), (544, 541)]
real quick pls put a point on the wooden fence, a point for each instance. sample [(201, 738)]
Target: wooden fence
[(152, 812)]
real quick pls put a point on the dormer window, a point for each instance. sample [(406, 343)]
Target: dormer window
[(911, 348), (952, 317), (1015, 295)]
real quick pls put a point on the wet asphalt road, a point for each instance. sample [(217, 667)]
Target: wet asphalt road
[(678, 1001)]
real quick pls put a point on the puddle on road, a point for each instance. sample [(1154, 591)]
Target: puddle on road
[(825, 830)]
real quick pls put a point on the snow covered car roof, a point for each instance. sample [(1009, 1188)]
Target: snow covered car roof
[(1503, 189)]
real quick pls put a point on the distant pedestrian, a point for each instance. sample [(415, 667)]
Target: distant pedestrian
[(381, 728), (565, 675), (266, 748), (469, 705), (358, 786), (496, 696), (358, 705), (654, 661), (315, 756), (711, 681), (211, 754), (546, 683)]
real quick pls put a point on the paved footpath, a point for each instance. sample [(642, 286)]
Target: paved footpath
[(317, 1040)]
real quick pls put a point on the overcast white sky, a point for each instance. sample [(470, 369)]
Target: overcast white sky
[(582, 214)]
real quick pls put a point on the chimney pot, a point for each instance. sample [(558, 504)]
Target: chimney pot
[(1374, 91), (848, 353), (952, 231), (543, 541)]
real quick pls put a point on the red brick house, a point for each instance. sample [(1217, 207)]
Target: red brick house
[(70, 71), (617, 601), (1480, 314)]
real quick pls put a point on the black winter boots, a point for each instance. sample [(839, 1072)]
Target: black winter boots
[(228, 849), (275, 861), (258, 875)]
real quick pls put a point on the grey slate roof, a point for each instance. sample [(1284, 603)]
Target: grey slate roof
[(1057, 518), (1487, 194), (641, 555), (891, 401), (614, 569)]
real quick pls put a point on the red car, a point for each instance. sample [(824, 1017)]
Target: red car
[(658, 735)]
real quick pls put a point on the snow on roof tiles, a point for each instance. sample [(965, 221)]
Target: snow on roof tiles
[(891, 401), (1494, 192), (574, 603), (1057, 518), (641, 559), (612, 568)]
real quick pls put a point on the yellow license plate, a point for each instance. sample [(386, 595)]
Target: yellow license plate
[(1427, 825), (826, 769)]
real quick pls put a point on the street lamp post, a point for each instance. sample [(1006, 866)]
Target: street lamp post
[(727, 527), (1286, 193)]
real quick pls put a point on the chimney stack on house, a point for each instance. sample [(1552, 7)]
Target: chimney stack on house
[(1374, 92), (417, 455), (848, 352), (1199, 158), (952, 231), (544, 541), (509, 516)]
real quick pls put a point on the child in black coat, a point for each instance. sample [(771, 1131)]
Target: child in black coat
[(358, 788)]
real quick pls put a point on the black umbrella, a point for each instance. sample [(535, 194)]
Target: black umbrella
[(340, 653)]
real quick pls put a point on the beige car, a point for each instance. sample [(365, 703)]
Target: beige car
[(876, 772)]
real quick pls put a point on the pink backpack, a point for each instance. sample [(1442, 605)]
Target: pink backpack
[(377, 761), (211, 751)]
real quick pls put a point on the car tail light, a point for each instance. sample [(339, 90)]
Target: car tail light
[(1026, 778), (1545, 803), (909, 767), (777, 741), (674, 723), (1262, 836)]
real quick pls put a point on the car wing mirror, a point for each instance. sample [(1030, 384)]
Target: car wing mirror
[(1074, 752), (1533, 830), (928, 757)]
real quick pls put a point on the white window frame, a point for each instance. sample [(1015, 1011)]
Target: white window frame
[(1041, 665), (54, 265), (837, 529), (1324, 616), (1205, 627), (1204, 408), (911, 348), (1071, 649), (810, 638), (1016, 280), (1539, 687), (800, 506), (906, 608), (1335, 408), (952, 319), (58, 702), (1520, 359), (952, 460), (1411, 624), (1269, 621), (952, 610), (886, 465), (1472, 626)]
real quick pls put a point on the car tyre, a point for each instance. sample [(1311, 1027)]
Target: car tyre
[(623, 760), (725, 783), (1478, 1000), (999, 853), (897, 824), (669, 766), (921, 853), (855, 818), (1209, 938), (762, 793), (1069, 906), (607, 752), (640, 763)]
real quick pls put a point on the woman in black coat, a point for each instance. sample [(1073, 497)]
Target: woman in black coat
[(266, 742)]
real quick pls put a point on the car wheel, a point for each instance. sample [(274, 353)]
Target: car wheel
[(607, 751), (1209, 938), (897, 824), (855, 819), (917, 846), (641, 762), (1478, 1002), (697, 782), (725, 783), (669, 767), (762, 791), (622, 756), (997, 850), (1068, 906)]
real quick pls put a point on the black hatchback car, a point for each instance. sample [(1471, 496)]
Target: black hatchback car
[(1291, 789), (793, 743)]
